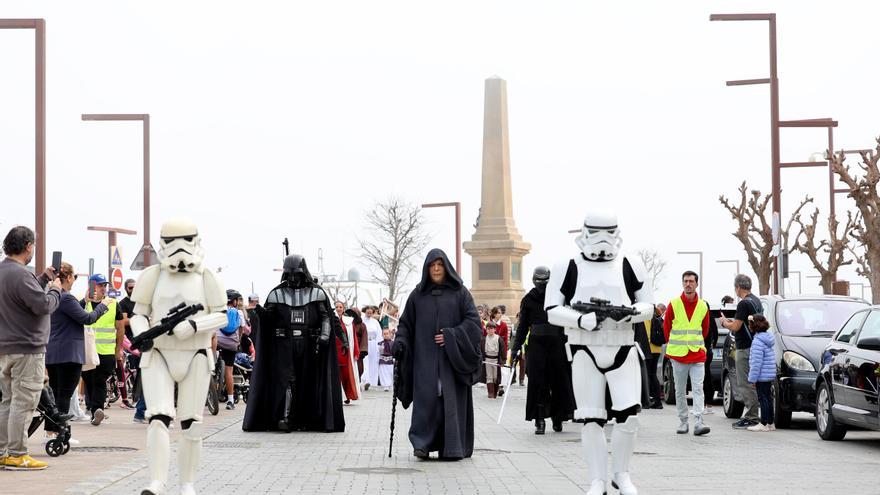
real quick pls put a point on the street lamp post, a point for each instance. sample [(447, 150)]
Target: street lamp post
[(147, 248), (700, 254), (39, 27), (775, 124), (457, 206), (111, 241), (731, 261)]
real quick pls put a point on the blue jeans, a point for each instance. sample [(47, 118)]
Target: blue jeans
[(765, 400), (141, 408)]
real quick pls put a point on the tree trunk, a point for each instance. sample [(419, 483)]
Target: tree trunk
[(826, 281)]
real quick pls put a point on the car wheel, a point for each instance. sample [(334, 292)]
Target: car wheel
[(826, 426), (668, 383), (781, 417), (732, 407)]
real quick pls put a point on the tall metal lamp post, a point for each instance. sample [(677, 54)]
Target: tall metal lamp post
[(700, 254), (39, 27), (147, 249), (111, 241)]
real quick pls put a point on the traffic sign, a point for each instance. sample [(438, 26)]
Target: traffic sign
[(115, 257), (138, 263), (116, 279)]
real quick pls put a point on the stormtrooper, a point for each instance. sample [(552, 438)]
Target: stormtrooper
[(182, 358), (600, 347)]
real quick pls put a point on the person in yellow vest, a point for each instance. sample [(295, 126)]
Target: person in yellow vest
[(109, 333), (686, 325)]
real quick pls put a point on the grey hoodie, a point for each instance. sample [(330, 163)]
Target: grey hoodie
[(25, 306)]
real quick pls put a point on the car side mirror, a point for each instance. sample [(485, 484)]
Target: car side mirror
[(869, 343)]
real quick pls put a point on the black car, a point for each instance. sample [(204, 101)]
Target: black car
[(665, 368), (848, 381), (802, 327)]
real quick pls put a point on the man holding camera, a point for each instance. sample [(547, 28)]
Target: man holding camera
[(109, 334), (26, 301)]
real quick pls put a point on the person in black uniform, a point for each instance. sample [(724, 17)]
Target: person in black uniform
[(549, 392), (295, 382)]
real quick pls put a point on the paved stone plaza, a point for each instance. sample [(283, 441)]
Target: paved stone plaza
[(508, 459)]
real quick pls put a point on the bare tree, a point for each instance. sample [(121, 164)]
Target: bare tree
[(835, 246), (396, 234), (338, 292), (654, 264), (755, 232), (863, 190)]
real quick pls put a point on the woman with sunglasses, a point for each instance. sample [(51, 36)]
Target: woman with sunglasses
[(65, 353)]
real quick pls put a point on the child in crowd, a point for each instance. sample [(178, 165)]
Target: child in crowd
[(762, 369), (494, 354), (386, 361)]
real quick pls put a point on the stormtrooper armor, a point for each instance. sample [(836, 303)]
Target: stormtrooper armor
[(183, 358), (602, 353)]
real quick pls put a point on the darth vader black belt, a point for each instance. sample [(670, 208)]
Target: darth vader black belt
[(287, 332)]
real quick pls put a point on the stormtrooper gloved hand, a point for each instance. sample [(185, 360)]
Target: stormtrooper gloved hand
[(646, 310)]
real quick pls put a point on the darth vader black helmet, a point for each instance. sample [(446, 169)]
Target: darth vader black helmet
[(295, 271)]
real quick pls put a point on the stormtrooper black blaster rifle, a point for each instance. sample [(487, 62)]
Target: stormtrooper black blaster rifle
[(180, 313), (603, 309)]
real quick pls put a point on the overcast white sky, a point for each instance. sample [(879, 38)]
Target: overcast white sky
[(273, 119)]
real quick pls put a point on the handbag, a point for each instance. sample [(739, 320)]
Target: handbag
[(92, 360)]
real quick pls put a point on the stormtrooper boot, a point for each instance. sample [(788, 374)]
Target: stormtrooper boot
[(596, 454), (189, 452), (622, 442), (158, 455)]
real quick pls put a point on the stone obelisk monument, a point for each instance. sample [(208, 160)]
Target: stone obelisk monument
[(496, 247)]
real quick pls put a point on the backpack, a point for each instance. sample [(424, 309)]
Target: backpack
[(233, 320), (658, 338)]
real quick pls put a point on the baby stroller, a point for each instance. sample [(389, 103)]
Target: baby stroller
[(48, 413), (241, 376)]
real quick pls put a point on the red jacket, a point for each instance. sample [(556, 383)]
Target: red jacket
[(689, 307)]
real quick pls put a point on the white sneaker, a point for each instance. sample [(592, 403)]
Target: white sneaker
[(597, 487), (771, 427), (709, 410), (758, 427)]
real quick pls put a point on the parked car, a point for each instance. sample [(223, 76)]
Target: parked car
[(665, 366), (802, 327), (848, 380)]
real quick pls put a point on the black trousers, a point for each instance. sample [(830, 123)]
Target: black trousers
[(653, 381), (64, 378), (96, 382), (549, 379)]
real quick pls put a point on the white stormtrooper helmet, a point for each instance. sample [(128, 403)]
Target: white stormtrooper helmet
[(180, 248), (600, 237)]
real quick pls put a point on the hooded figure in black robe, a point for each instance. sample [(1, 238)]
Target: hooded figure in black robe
[(295, 381), (550, 394), (437, 379)]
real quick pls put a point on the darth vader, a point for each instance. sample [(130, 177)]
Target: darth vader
[(295, 382)]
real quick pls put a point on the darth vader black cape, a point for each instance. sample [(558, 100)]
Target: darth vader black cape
[(319, 391), (435, 379)]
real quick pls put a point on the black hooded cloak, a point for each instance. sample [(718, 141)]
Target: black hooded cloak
[(546, 364), (317, 400), (437, 380)]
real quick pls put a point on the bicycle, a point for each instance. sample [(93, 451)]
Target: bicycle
[(216, 384)]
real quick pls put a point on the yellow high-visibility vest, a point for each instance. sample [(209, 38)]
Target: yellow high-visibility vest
[(686, 334), (105, 329)]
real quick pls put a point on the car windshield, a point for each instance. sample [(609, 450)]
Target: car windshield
[(816, 318)]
